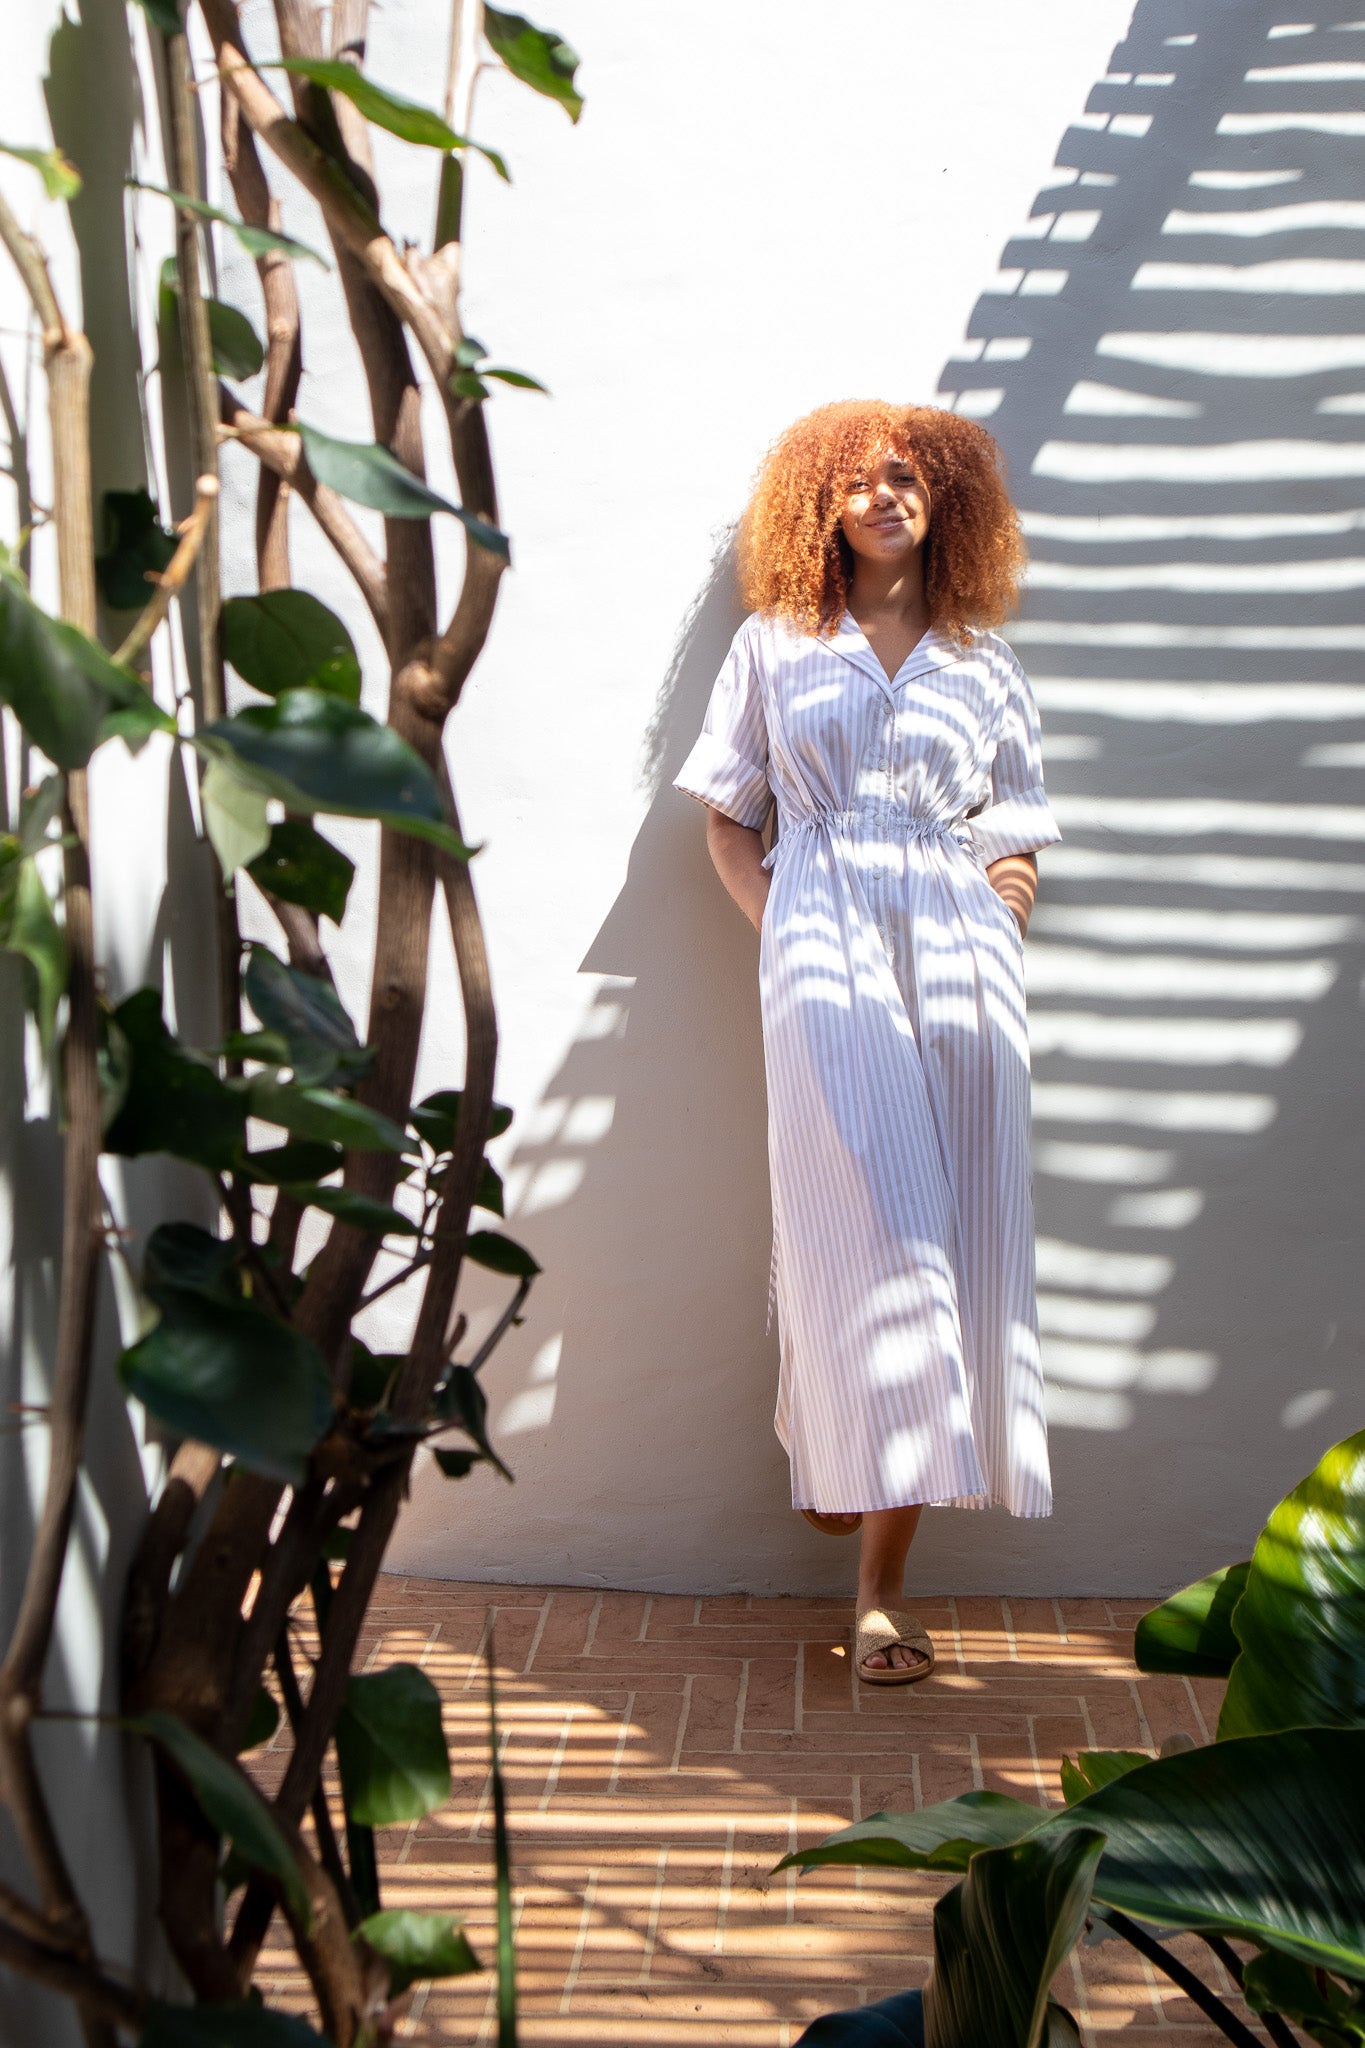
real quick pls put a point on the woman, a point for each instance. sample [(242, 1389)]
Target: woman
[(898, 737)]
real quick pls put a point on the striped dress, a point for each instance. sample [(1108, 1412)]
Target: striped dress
[(896, 1045)]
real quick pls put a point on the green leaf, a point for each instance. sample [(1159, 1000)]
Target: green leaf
[(289, 640), (418, 1945), (1261, 1838), (1323, 2008), (461, 1403), (263, 1719), (234, 816), (182, 1258), (517, 377), (61, 179), (999, 1939), (500, 1254), (45, 681), (237, 349), (370, 474), (1301, 1620), (229, 1801), (490, 1193), (137, 548), (28, 927), (306, 1013), (173, 1100), (234, 1377), (300, 866), (256, 241), (38, 809), (468, 384), (1191, 1633), (502, 1865), (322, 1114), (318, 753), (942, 1837), (537, 56), (371, 1374), (387, 110), (360, 1210), (299, 1160), (224, 2026), (391, 1747), (165, 14), (1096, 1767), (435, 1118)]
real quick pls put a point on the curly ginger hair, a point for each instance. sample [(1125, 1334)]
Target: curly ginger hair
[(795, 562)]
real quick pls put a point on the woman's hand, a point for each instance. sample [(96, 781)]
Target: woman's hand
[(737, 854), (1015, 881)]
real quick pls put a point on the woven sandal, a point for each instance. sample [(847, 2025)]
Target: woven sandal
[(828, 1526), (882, 1628)]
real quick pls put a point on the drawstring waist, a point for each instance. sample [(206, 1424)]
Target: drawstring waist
[(885, 821)]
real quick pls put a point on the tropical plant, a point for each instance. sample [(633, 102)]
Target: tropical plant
[(1258, 1837), (295, 1441)]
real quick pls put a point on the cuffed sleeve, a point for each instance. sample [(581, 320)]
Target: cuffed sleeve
[(1017, 817), (727, 769)]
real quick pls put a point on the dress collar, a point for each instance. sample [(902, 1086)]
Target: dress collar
[(933, 650)]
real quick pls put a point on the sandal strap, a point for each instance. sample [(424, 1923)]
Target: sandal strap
[(883, 1628)]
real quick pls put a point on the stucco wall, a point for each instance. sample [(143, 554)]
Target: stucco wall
[(747, 223)]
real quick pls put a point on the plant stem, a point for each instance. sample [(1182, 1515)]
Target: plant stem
[(1193, 1987)]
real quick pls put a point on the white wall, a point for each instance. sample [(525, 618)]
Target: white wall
[(749, 220)]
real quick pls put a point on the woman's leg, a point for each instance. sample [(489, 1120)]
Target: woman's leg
[(887, 1534)]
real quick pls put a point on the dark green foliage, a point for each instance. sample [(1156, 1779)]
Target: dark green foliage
[(300, 866), (61, 685), (305, 1013), (1191, 1633), (301, 1159), (173, 1099), (236, 1377), (229, 1800), (1096, 1767), (391, 1747), (262, 1721), (322, 1115), (225, 2026), (137, 548), (999, 1939), (895, 2022), (362, 1211), (256, 241), (462, 1404), (289, 640), (435, 1117), (319, 753)]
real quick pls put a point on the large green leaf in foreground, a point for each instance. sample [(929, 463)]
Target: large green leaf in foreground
[(1262, 1837), (999, 1939), (1301, 1620)]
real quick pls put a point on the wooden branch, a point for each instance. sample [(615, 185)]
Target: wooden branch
[(283, 454), (201, 386), (31, 264), (430, 1345), (284, 349), (175, 575), (193, 1469)]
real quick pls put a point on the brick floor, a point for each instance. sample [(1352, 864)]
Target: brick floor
[(661, 1754)]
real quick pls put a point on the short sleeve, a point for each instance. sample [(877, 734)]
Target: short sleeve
[(1017, 817), (728, 767)]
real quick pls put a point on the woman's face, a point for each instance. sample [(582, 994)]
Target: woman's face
[(886, 512)]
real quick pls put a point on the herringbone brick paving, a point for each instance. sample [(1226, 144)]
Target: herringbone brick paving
[(661, 1753)]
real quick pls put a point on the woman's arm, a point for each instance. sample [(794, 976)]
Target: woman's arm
[(1014, 880), (737, 854)]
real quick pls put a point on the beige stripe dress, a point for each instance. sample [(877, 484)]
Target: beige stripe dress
[(896, 1046)]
